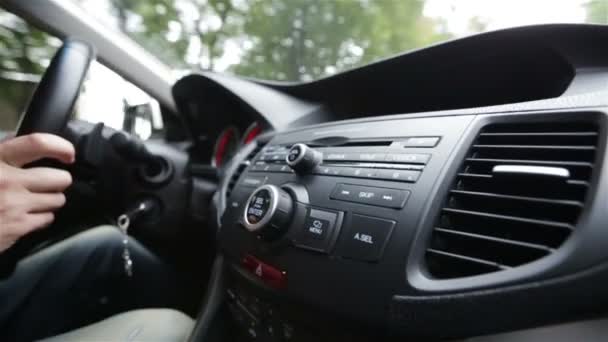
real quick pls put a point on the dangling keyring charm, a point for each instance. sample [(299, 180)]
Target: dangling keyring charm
[(123, 223)]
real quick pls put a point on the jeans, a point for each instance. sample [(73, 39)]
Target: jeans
[(79, 281)]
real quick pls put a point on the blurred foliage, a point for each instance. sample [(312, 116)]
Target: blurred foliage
[(306, 39), (277, 39), (290, 40), (597, 11), (24, 54)]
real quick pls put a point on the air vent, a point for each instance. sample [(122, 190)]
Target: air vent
[(516, 199), (242, 166)]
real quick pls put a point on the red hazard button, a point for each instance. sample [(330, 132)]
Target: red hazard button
[(270, 275)]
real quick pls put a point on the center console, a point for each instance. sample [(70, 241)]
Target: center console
[(322, 220), (380, 228)]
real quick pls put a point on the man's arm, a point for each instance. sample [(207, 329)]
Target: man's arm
[(28, 197)]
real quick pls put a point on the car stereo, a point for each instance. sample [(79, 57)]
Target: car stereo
[(326, 216)]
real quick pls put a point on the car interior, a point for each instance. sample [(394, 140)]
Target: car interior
[(453, 192)]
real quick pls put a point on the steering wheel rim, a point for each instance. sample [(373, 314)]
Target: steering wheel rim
[(51, 104)]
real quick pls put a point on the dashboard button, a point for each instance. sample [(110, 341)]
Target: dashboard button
[(370, 157), (421, 142), (399, 175), (268, 274), (352, 171), (266, 167), (365, 238), (343, 192), (284, 168), (391, 198), (328, 170), (382, 197), (273, 156), (253, 181), (412, 158), (353, 157), (337, 156), (318, 230), (276, 168), (278, 156), (369, 173), (258, 167)]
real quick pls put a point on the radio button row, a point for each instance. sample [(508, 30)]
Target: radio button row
[(283, 168), (329, 171), (263, 167), (399, 175), (260, 167), (381, 197), (360, 172), (396, 175)]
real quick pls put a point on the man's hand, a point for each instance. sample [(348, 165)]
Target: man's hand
[(28, 197)]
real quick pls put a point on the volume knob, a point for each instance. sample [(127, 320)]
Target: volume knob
[(302, 158), (268, 212)]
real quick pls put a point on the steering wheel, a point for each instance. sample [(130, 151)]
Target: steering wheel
[(52, 102)]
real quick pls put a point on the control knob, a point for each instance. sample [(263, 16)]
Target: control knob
[(268, 212), (303, 159)]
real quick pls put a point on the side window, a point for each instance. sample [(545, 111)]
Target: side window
[(25, 53), (106, 97)]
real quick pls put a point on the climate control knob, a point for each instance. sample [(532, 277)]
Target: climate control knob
[(268, 212), (303, 159)]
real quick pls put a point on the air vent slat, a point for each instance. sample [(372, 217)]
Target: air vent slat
[(451, 265), (510, 218), (467, 258), (580, 170), (538, 138), (537, 147), (530, 162), (473, 175), (570, 190), (541, 134), (517, 206), (519, 198), (541, 248), (491, 222)]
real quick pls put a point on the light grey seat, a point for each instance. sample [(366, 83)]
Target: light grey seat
[(147, 325)]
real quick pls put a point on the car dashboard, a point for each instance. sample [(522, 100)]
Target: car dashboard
[(454, 191)]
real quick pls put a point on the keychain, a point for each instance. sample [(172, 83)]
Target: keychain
[(123, 222)]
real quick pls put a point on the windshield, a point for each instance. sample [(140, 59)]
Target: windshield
[(302, 40)]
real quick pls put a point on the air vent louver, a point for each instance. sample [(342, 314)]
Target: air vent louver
[(242, 166), (490, 223)]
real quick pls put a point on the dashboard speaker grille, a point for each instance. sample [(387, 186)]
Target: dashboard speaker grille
[(493, 221)]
